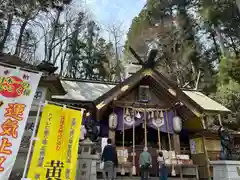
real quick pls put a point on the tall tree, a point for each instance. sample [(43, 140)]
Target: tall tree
[(116, 34)]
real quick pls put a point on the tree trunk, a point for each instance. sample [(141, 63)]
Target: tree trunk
[(234, 47), (7, 32), (215, 43), (118, 70), (19, 41), (50, 50), (221, 40)]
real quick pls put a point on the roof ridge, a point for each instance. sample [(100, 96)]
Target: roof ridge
[(89, 81)]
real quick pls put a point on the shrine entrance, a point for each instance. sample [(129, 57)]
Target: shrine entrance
[(152, 138), (134, 144)]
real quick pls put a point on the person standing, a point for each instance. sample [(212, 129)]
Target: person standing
[(145, 162), (83, 133), (110, 159), (163, 173)]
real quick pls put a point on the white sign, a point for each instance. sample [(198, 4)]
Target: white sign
[(17, 89)]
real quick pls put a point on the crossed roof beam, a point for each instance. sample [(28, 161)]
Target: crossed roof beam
[(150, 62)]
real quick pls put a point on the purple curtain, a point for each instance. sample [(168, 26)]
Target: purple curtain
[(164, 128), (119, 112), (84, 120), (104, 128)]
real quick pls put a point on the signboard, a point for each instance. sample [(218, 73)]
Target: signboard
[(17, 89), (122, 154), (213, 145), (196, 146), (56, 149)]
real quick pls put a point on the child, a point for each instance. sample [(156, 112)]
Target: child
[(163, 172)]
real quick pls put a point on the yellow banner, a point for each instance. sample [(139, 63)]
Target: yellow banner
[(56, 147)]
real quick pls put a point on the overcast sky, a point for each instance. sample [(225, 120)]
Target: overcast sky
[(107, 12)]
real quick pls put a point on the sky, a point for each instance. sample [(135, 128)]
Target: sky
[(108, 12)]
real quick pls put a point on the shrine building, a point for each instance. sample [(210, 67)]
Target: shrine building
[(148, 109)]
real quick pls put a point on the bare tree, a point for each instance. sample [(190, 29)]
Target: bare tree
[(116, 34)]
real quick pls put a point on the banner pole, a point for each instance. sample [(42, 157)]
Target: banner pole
[(32, 139)]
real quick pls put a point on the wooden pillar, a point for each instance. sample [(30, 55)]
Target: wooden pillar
[(205, 151), (207, 158), (111, 135), (176, 143)]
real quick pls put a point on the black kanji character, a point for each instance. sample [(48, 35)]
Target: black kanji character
[(25, 77), (54, 170), (84, 165), (6, 72)]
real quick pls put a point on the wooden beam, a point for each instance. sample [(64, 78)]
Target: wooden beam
[(120, 89), (136, 55), (180, 95), (151, 58), (137, 104)]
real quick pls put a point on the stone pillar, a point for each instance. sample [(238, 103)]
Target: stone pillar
[(238, 4), (111, 135), (176, 143), (226, 170), (87, 162)]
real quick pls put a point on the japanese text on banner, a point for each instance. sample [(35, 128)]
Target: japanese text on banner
[(17, 89), (56, 152)]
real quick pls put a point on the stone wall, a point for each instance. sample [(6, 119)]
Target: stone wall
[(226, 170)]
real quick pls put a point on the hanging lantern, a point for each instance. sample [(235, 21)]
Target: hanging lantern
[(177, 124), (112, 121)]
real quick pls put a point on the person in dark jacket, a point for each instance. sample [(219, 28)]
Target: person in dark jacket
[(109, 157)]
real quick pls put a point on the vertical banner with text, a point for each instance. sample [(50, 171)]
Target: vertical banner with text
[(55, 152), (17, 89)]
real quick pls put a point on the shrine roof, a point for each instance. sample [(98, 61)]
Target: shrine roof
[(81, 90), (90, 91), (205, 102)]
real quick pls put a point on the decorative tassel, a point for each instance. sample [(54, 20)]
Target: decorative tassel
[(152, 114), (173, 173), (134, 170), (127, 111), (138, 115), (122, 171), (149, 115), (161, 114)]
